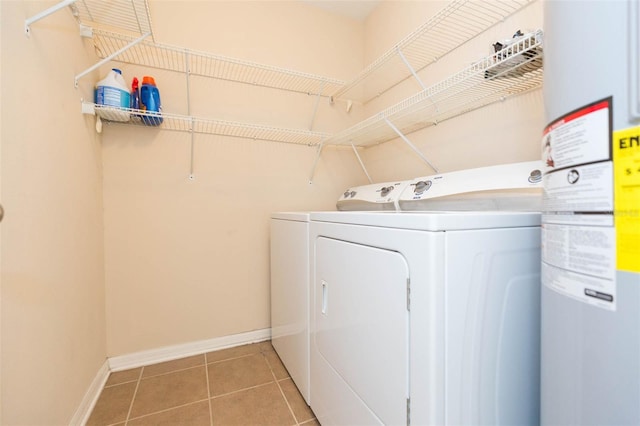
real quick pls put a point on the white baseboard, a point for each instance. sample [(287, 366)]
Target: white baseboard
[(83, 412), (168, 353)]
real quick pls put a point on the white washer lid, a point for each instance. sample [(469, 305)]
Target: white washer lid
[(297, 216)]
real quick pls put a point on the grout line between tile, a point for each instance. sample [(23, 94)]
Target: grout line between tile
[(241, 390), (164, 410), (275, 379), (173, 371), (206, 372), (231, 359), (118, 384), (135, 392)]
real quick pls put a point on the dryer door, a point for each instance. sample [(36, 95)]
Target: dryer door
[(360, 355)]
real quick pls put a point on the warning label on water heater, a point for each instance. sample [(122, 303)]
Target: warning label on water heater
[(578, 234), (626, 157)]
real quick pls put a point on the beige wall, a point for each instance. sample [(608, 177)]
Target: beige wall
[(505, 132), (53, 318), (188, 260)]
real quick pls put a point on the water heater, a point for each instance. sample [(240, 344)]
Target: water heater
[(590, 371)]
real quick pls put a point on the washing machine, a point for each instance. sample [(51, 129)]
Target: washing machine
[(289, 244), (429, 317)]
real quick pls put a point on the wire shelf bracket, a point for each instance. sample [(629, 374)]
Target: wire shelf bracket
[(315, 106), (364, 169), (109, 58), (315, 163), (411, 145), (130, 16), (411, 70), (53, 9)]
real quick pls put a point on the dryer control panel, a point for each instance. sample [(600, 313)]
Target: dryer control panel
[(515, 186)]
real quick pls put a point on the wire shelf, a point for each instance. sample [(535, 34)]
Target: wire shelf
[(455, 24), (183, 123), (121, 28), (513, 70), (180, 59), (128, 15)]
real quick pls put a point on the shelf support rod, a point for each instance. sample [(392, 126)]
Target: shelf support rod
[(187, 72), (110, 57), (44, 14), (191, 130), (315, 108), (413, 72), (315, 162), (364, 169), (408, 142)]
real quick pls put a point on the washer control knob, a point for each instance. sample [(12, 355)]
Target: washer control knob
[(346, 194), (385, 190), (422, 186), (352, 194)]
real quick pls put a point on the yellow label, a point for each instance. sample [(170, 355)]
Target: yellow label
[(626, 166)]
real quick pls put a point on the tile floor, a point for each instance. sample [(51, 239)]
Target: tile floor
[(245, 385)]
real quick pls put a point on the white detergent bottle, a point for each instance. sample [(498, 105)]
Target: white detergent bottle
[(111, 96)]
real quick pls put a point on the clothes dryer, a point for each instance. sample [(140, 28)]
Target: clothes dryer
[(425, 317)]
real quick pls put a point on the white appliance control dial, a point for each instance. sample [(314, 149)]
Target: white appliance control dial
[(385, 190), (421, 186), (376, 196)]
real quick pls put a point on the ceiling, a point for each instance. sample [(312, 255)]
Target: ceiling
[(356, 9)]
